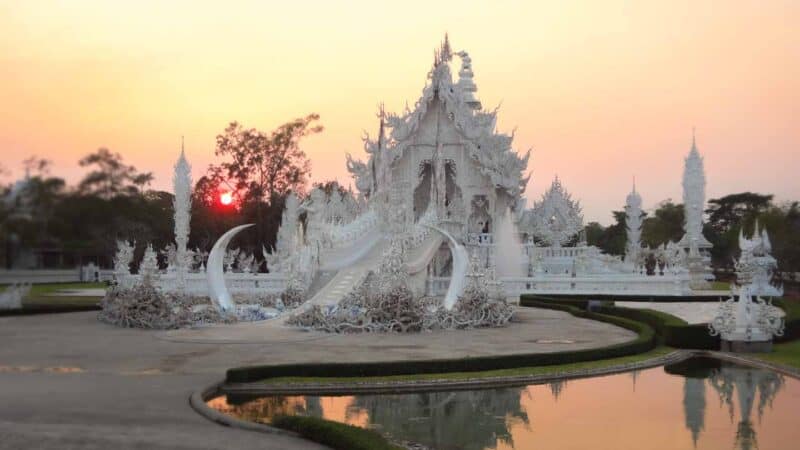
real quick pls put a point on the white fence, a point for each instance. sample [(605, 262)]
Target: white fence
[(616, 284), (237, 283), (53, 276)]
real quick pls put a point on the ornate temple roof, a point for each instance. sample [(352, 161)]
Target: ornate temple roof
[(556, 218), (490, 149)]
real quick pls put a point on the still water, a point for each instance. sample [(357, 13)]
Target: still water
[(696, 404)]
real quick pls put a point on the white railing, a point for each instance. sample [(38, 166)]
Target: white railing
[(341, 235), (612, 284), (237, 283)]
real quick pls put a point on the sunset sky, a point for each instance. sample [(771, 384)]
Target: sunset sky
[(601, 90)]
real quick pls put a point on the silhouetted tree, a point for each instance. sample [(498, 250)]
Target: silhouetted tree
[(111, 176)]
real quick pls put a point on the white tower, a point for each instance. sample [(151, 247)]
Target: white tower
[(633, 221), (182, 186), (694, 201)]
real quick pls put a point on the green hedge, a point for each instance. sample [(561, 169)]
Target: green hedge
[(645, 341), (670, 330), (336, 435)]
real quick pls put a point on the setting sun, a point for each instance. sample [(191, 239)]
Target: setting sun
[(226, 198)]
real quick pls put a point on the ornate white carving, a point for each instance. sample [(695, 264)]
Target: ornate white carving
[(756, 265), (148, 268), (751, 319), (556, 218), (123, 259)]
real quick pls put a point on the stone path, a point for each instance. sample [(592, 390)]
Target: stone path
[(68, 381)]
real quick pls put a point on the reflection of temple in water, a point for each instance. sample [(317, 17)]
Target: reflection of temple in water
[(746, 383), (694, 406), (556, 387), (469, 420), (731, 382)]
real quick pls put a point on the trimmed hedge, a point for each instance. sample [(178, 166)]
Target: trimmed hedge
[(336, 435), (670, 330), (32, 310), (645, 341)]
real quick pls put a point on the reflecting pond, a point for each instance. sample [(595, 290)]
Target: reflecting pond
[(700, 403)]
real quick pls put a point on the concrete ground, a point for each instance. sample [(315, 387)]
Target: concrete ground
[(68, 381), (691, 312)]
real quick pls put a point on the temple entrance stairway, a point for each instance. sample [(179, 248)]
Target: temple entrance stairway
[(331, 285), (347, 278)]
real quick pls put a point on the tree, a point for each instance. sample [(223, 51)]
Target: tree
[(726, 216), (610, 239), (262, 168), (664, 226), (111, 177), (724, 213), (265, 166)]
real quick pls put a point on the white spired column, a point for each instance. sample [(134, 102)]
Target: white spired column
[(182, 186), (633, 222), (694, 202)]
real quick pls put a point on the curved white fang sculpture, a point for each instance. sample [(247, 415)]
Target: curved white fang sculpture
[(460, 266), (214, 274)]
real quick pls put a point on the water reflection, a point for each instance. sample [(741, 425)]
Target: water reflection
[(448, 420), (730, 382), (754, 409)]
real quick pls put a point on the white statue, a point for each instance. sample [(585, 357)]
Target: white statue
[(756, 265), (230, 258), (123, 258), (11, 297), (148, 268), (749, 320)]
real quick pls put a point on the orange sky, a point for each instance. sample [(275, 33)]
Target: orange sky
[(601, 91)]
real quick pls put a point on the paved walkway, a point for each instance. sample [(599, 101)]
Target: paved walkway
[(691, 312), (68, 381)]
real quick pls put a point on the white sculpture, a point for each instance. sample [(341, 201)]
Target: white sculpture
[(11, 297), (123, 258), (215, 275), (182, 187), (148, 268), (747, 324), (756, 265), (460, 267)]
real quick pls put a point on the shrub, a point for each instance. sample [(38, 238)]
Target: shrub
[(336, 435), (670, 330)]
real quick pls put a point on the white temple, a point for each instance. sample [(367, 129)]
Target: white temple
[(441, 187)]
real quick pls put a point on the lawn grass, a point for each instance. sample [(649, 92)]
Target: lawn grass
[(40, 295), (787, 353), (455, 376)]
